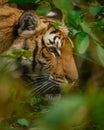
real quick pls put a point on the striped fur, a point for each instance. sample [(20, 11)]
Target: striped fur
[(52, 61)]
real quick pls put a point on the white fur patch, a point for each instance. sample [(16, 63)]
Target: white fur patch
[(50, 36), (26, 33), (51, 14), (58, 42)]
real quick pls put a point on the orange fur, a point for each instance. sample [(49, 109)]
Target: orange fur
[(8, 18), (60, 67)]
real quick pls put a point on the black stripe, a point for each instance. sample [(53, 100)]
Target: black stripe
[(51, 41), (34, 56), (44, 55), (55, 31), (43, 42), (54, 38), (15, 30)]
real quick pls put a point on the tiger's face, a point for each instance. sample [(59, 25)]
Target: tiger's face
[(59, 48), (52, 58)]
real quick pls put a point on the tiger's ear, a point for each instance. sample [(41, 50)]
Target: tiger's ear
[(56, 13), (27, 24)]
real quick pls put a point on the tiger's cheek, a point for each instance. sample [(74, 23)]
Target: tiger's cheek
[(55, 65), (50, 60), (58, 68)]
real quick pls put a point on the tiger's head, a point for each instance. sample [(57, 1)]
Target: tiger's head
[(51, 49)]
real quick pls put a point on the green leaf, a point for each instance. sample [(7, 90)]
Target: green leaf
[(43, 5), (99, 24), (88, 30), (82, 42), (65, 5), (23, 1), (100, 53), (74, 18), (17, 54), (23, 122), (35, 101), (97, 108), (94, 10), (57, 24), (63, 111), (73, 31)]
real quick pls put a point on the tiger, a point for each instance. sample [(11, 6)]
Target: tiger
[(51, 62)]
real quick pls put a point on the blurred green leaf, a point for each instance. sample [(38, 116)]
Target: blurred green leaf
[(73, 31), (98, 110), (99, 23), (23, 1), (74, 18), (82, 42), (23, 122), (96, 100), (57, 24), (94, 10), (88, 30), (35, 101), (100, 53), (43, 8), (65, 5), (64, 110), (17, 54)]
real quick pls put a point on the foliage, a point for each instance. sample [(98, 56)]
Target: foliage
[(17, 54), (22, 1), (82, 42), (23, 122), (77, 112), (19, 110), (100, 52)]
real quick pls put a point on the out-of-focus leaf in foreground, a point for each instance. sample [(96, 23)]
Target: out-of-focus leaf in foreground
[(12, 89), (66, 113), (77, 112)]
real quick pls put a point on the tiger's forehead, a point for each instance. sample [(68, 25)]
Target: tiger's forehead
[(53, 37)]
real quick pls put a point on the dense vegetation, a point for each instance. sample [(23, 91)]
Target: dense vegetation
[(77, 110)]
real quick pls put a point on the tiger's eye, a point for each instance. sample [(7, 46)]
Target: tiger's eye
[(52, 49)]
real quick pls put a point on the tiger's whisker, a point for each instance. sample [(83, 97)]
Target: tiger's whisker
[(37, 76), (52, 86), (36, 82), (48, 88), (38, 85), (41, 87)]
